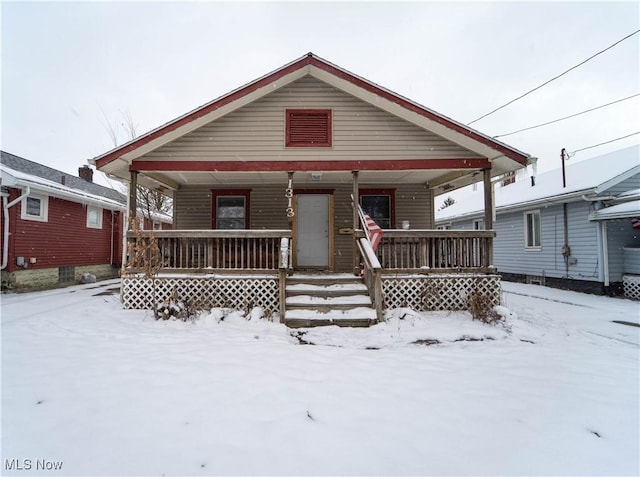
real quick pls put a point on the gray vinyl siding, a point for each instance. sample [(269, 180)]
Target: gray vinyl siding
[(511, 256), (257, 131), (192, 210), (620, 234)]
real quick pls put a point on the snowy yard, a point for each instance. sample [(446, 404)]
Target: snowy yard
[(102, 391)]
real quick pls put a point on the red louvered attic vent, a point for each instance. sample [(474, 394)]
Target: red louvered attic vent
[(308, 128)]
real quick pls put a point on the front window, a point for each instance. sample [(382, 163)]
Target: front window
[(379, 206), (533, 238), (35, 207), (230, 209)]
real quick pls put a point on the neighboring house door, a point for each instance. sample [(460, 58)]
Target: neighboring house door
[(312, 231)]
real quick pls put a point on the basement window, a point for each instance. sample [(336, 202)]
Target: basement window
[(35, 207), (308, 128)]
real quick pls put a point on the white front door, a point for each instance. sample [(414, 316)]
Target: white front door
[(312, 230)]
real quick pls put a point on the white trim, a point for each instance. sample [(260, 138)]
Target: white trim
[(17, 179), (98, 211), (617, 179), (43, 215), (527, 247)]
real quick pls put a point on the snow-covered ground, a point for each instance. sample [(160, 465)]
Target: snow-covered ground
[(104, 391)]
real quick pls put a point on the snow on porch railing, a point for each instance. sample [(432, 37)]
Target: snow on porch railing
[(218, 249), (437, 250)]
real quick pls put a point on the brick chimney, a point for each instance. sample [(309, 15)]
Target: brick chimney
[(86, 173)]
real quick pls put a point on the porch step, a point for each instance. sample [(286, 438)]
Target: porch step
[(323, 299), (305, 318)]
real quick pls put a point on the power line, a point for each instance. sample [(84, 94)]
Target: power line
[(602, 143), (567, 117), (553, 79)]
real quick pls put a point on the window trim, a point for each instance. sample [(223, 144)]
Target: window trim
[(246, 193), (533, 247), (99, 212), (43, 216), (287, 137), (476, 223), (392, 201)]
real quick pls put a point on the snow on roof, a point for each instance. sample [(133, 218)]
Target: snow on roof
[(32, 168), (593, 175), (14, 178), (621, 211)]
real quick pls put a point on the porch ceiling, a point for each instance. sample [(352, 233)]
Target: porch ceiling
[(310, 179)]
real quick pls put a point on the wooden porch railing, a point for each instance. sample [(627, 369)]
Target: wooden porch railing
[(184, 250), (436, 251), (372, 275)]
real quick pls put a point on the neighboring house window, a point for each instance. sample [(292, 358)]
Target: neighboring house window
[(157, 225), (444, 227), (94, 217), (532, 230), (379, 205), (230, 209), (308, 128), (35, 207), (478, 224)]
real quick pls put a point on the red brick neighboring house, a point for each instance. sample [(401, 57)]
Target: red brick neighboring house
[(55, 226)]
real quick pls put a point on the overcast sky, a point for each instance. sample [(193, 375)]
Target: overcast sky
[(65, 66)]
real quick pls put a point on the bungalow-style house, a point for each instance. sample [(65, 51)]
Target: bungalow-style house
[(268, 182), (56, 226), (581, 235)]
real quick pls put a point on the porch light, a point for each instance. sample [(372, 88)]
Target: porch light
[(316, 176)]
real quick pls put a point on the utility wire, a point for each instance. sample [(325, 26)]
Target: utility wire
[(552, 79), (606, 142), (567, 117)]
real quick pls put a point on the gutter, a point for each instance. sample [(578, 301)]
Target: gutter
[(519, 206), (5, 233)]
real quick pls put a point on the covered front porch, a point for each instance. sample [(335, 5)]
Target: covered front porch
[(419, 269)]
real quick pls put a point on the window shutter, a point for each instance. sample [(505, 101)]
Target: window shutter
[(308, 128)]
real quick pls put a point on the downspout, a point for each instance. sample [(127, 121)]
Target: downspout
[(5, 211), (605, 255), (111, 249), (566, 250)]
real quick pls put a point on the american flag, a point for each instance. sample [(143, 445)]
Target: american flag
[(374, 232), (635, 223)]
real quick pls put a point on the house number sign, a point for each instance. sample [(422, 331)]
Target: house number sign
[(289, 195)]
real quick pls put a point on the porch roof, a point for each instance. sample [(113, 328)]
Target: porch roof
[(497, 155)]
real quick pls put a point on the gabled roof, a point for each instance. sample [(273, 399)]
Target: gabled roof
[(311, 64), (19, 172), (593, 176)]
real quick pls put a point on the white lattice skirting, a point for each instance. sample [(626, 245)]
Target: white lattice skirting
[(239, 293), (438, 292), (631, 286)]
